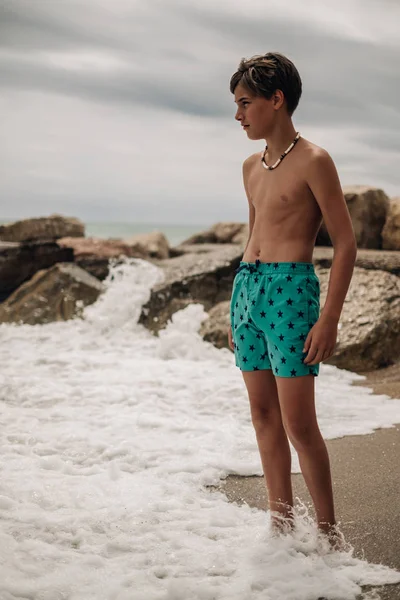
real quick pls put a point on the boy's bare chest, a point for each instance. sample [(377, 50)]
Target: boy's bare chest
[(279, 192)]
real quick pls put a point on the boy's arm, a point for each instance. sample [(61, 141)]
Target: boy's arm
[(324, 183), (252, 213)]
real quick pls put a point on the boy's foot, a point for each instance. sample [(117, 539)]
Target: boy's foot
[(281, 525), (335, 538)]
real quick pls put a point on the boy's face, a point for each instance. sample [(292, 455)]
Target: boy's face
[(255, 113)]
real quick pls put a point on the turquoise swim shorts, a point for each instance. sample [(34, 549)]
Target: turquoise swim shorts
[(273, 307)]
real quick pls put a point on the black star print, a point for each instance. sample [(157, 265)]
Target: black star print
[(237, 304), (272, 325), (288, 278), (290, 325), (270, 302), (252, 347), (281, 337), (235, 326), (289, 302), (270, 278), (302, 337), (258, 336), (253, 302), (308, 267), (263, 314), (293, 266), (276, 347), (262, 290), (299, 290), (309, 302), (256, 279), (255, 369), (245, 308), (276, 370), (271, 355), (241, 294), (247, 325), (244, 359), (242, 337), (283, 360), (241, 317), (280, 313), (292, 349), (300, 313), (279, 290), (276, 265), (308, 279), (293, 373)]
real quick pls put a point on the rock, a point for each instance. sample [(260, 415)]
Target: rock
[(221, 233), (55, 294), (41, 229), (19, 262), (153, 244), (368, 208), (391, 229), (93, 254), (382, 260), (193, 277), (215, 328), (369, 327)]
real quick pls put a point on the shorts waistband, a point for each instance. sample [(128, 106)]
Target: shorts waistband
[(276, 267)]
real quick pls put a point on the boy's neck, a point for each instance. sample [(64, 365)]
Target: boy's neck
[(278, 140)]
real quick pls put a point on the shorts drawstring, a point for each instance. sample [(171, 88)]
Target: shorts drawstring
[(249, 267)]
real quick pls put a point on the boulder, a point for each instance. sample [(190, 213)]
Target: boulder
[(153, 244), (193, 277), (56, 294), (391, 229), (381, 260), (221, 233), (368, 208), (369, 327), (42, 228), (93, 254), (19, 262)]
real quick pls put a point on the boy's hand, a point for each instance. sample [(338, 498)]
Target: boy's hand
[(230, 340), (321, 341)]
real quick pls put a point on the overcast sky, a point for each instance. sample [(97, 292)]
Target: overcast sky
[(120, 110)]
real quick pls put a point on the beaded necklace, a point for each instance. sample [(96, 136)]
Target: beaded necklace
[(292, 145)]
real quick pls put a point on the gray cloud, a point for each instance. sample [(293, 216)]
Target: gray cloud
[(159, 74)]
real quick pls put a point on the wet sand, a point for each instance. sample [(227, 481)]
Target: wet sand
[(366, 480)]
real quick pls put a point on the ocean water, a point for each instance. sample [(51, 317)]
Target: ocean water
[(174, 233), (110, 436)]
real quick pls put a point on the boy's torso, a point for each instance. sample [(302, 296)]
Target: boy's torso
[(287, 216)]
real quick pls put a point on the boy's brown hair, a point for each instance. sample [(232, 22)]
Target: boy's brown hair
[(263, 74)]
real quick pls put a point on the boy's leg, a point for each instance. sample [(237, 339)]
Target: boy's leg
[(297, 403), (272, 443)]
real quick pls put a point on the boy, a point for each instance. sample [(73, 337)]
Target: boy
[(277, 333)]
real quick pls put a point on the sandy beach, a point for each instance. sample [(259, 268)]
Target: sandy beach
[(366, 482)]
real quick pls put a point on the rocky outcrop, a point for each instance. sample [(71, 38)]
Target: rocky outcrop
[(56, 294), (221, 233), (93, 254), (381, 260), (193, 277), (369, 327), (19, 262), (42, 229), (153, 244), (368, 208), (391, 229)]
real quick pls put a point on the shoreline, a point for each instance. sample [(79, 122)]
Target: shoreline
[(366, 482)]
